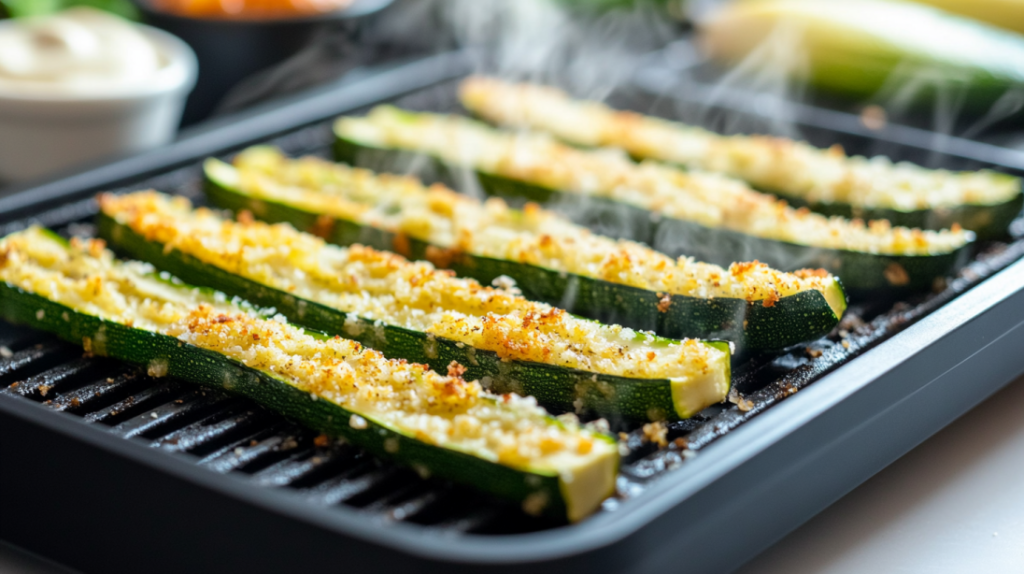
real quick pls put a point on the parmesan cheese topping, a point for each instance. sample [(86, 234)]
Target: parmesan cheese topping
[(86, 278), (385, 287), (708, 199), (436, 409), (533, 236), (775, 164)]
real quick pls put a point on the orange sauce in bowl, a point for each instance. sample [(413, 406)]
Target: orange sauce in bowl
[(249, 9)]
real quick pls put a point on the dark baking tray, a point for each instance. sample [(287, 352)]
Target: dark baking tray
[(87, 497)]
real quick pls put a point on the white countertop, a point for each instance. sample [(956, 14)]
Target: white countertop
[(955, 504)]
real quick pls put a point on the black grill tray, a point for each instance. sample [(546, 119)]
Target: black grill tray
[(107, 470)]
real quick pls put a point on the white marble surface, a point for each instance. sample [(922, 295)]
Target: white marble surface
[(955, 504)]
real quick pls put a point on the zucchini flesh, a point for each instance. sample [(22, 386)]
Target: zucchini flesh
[(412, 311), (706, 216), (551, 259), (825, 180), (440, 425)]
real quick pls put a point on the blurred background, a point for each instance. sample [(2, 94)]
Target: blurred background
[(951, 67)]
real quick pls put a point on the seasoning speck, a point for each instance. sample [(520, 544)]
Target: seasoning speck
[(742, 403), (874, 117), (421, 470), (534, 503), (655, 432), (357, 422)]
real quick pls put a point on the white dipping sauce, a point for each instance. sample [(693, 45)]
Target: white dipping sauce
[(80, 51)]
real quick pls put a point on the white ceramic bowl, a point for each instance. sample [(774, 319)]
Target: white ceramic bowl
[(45, 135)]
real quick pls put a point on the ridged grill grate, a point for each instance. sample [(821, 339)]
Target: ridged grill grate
[(229, 434)]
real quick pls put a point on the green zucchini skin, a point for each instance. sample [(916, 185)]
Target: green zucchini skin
[(601, 215), (388, 160), (794, 319), (556, 388), (988, 222), (864, 275), (211, 369)]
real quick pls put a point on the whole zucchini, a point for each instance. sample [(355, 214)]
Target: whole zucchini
[(412, 311), (826, 180), (439, 425), (706, 216), (862, 47), (550, 258)]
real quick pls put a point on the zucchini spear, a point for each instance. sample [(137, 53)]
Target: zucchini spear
[(706, 216), (826, 180), (550, 258), (439, 425), (412, 311)]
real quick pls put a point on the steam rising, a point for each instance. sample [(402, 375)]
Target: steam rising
[(767, 72), (544, 41), (597, 56), (940, 98), (588, 53)]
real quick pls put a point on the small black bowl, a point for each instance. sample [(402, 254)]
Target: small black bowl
[(230, 50)]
